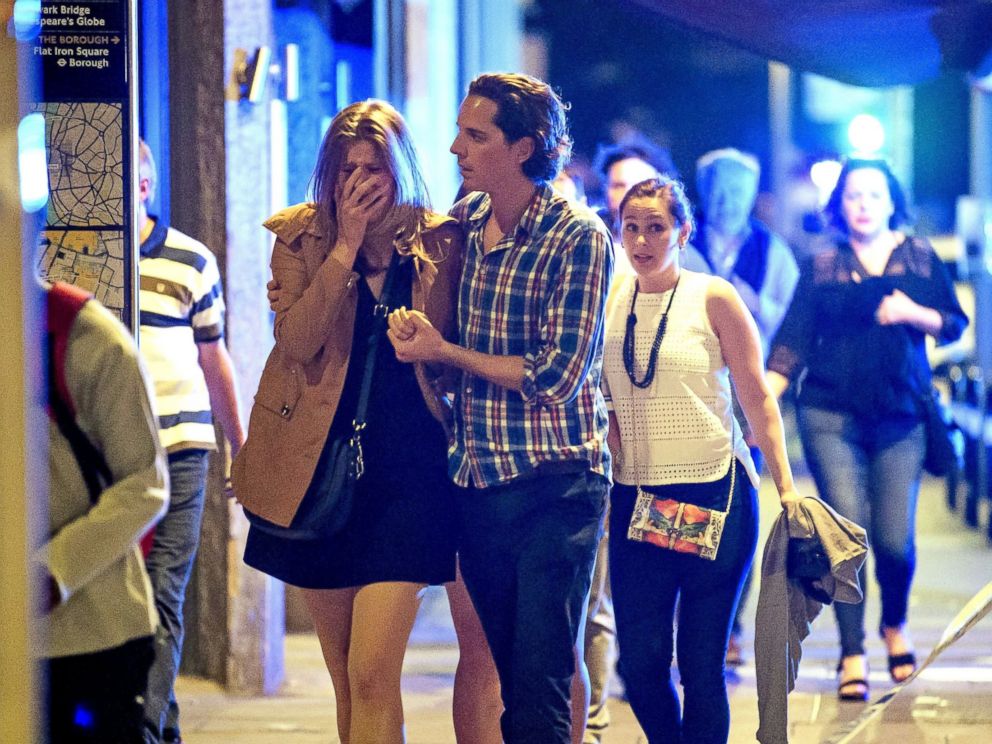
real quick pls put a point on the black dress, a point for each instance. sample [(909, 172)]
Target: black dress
[(403, 523)]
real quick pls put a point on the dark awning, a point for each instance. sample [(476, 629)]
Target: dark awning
[(862, 42)]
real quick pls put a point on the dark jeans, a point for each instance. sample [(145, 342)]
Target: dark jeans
[(738, 627), (527, 554), (169, 564), (647, 583), (869, 471), (96, 698)]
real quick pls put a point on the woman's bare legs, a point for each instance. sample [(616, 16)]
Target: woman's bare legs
[(363, 634), (381, 622), (477, 706), (331, 611)]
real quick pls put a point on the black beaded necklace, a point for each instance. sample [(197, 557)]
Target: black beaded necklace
[(628, 339)]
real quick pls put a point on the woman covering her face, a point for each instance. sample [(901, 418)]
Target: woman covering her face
[(856, 327), (674, 339), (363, 584)]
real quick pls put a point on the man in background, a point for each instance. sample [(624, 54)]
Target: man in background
[(182, 341), (730, 243), (622, 166)]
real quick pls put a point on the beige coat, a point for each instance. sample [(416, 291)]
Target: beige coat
[(304, 375)]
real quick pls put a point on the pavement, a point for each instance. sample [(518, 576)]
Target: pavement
[(949, 703)]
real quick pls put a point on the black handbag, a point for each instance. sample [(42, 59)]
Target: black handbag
[(941, 457), (328, 501)]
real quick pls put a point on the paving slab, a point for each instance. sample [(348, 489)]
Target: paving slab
[(950, 703)]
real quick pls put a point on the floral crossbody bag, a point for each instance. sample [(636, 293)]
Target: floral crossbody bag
[(665, 522)]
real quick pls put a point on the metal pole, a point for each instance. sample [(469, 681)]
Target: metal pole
[(24, 455), (981, 274)]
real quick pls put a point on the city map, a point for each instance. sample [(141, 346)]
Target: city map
[(84, 242), (91, 259)]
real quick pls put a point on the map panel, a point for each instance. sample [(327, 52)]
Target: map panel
[(85, 163), (91, 259)]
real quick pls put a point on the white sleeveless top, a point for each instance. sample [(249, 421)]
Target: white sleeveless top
[(681, 424)]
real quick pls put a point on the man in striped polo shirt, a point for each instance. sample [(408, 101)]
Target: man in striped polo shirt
[(530, 446), (182, 342)]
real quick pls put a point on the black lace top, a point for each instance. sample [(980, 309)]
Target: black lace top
[(831, 342)]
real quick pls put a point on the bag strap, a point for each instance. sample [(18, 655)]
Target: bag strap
[(379, 313), (63, 305)]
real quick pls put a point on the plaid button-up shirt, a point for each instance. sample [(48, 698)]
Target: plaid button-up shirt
[(540, 293)]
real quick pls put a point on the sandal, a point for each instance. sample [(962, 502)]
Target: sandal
[(859, 692), (900, 660), (855, 689)]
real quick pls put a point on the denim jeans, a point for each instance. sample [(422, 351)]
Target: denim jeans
[(600, 646), (527, 556), (169, 565), (738, 627), (869, 471), (647, 582)]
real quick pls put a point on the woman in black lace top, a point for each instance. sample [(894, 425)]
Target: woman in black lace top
[(855, 332)]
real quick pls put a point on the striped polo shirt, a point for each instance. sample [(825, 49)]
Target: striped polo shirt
[(181, 305)]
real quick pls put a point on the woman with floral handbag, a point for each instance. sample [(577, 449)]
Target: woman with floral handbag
[(674, 338)]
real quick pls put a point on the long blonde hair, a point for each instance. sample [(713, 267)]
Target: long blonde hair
[(382, 126)]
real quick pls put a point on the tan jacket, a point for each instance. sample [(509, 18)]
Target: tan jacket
[(300, 387)]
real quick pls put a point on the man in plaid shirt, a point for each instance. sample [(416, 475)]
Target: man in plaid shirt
[(530, 446)]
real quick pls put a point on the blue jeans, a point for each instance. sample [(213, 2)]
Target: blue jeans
[(527, 554), (169, 565), (738, 627), (869, 471), (647, 582)]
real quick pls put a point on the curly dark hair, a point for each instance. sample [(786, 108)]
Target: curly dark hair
[(669, 190), (835, 214), (528, 107), (656, 156)]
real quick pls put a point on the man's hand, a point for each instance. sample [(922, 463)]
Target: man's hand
[(273, 294), (413, 337)]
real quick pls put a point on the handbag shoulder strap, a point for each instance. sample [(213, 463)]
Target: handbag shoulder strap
[(64, 303), (379, 313)]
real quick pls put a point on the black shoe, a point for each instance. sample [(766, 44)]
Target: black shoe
[(899, 660), (854, 689)]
